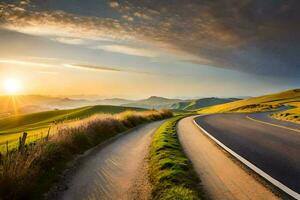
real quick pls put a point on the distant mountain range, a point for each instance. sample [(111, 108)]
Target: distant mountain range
[(154, 102), (201, 103), (37, 103), (115, 101), (178, 104)]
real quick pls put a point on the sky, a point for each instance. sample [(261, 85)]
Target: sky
[(135, 49)]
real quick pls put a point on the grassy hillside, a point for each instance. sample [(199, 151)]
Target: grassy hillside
[(37, 124), (41, 119), (292, 115), (154, 103), (256, 104), (35, 103), (10, 106), (178, 104), (201, 103)]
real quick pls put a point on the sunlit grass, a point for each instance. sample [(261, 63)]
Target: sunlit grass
[(38, 124), (13, 139), (292, 115)]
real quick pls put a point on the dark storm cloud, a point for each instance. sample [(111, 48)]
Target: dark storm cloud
[(254, 36)]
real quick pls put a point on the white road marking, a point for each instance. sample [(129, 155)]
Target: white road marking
[(275, 182)]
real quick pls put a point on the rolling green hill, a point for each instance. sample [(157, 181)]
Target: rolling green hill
[(155, 102), (37, 124), (11, 105), (43, 119), (201, 103), (256, 104), (25, 104)]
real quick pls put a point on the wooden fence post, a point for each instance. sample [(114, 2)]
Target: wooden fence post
[(48, 134), (22, 142), (6, 147)]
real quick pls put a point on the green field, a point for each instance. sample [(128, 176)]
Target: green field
[(37, 124), (257, 104)]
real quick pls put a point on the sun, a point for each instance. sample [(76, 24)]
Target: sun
[(12, 86)]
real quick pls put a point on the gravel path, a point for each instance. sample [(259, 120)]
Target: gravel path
[(116, 171)]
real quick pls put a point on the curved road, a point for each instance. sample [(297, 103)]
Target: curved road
[(115, 171), (274, 150), (265, 116), (221, 178)]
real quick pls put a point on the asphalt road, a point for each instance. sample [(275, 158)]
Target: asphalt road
[(265, 116), (274, 150), (221, 178)]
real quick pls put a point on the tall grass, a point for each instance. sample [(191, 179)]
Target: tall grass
[(28, 175)]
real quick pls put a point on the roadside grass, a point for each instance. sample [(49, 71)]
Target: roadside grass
[(292, 115), (29, 174), (37, 124), (171, 172)]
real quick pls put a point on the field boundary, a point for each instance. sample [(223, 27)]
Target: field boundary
[(260, 172)]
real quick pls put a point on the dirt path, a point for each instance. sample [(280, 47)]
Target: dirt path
[(221, 177), (117, 171)]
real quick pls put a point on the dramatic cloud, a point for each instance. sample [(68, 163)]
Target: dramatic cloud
[(128, 50), (21, 62), (57, 64), (114, 4), (91, 67), (67, 40), (102, 68), (254, 36), (27, 19)]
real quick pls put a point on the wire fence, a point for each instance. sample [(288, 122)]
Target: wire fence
[(15, 144)]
